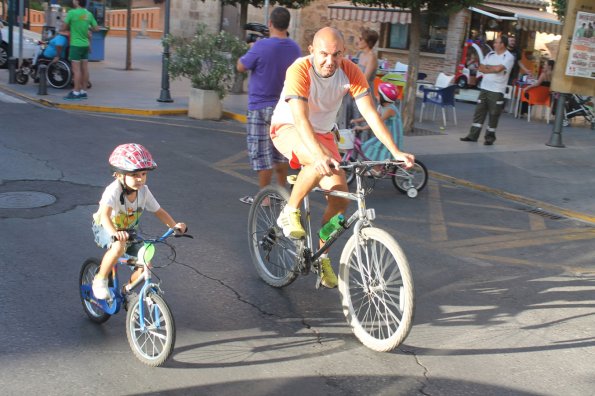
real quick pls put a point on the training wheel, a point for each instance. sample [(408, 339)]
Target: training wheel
[(412, 192)]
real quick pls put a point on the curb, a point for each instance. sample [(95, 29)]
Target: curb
[(516, 198)]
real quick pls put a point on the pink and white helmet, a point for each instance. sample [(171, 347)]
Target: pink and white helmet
[(388, 92), (131, 157)]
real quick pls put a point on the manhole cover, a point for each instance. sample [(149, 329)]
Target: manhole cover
[(25, 199)]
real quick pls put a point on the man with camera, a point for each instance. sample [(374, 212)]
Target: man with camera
[(268, 60)]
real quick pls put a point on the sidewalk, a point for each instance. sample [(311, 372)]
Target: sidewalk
[(519, 163)]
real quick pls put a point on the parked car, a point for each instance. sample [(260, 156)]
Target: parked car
[(30, 43)]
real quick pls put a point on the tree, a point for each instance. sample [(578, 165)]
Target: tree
[(415, 7), (560, 8)]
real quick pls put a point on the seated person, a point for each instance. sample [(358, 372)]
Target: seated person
[(56, 48)]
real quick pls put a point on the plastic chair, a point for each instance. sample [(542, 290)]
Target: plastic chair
[(443, 97), (444, 80), (538, 96)]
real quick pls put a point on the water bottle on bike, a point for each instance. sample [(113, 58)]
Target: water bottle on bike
[(335, 223)]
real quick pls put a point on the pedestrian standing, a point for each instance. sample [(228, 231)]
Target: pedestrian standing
[(268, 60), (79, 21), (496, 67)]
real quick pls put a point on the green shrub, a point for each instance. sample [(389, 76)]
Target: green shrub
[(207, 59)]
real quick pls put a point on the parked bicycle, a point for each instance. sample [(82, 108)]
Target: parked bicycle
[(150, 326), (406, 181), (375, 282)]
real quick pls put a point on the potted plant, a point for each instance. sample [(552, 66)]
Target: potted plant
[(208, 60)]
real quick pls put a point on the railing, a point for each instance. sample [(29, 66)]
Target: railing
[(144, 21)]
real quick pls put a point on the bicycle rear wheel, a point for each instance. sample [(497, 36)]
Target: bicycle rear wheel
[(90, 306), (416, 177), (378, 302), (273, 255), (155, 343)]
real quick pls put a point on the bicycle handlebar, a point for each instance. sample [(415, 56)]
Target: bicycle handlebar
[(134, 237), (367, 164)]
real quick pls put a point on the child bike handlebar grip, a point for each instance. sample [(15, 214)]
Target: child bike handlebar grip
[(333, 224), (131, 236)]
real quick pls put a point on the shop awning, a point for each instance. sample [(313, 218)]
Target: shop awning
[(346, 11), (527, 18)]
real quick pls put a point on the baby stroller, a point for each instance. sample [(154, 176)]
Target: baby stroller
[(579, 106)]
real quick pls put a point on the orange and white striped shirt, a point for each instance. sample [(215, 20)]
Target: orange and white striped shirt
[(324, 95)]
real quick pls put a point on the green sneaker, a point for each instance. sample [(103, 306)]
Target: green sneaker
[(327, 275), (290, 222)]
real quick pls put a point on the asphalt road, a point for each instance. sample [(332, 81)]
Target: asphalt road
[(504, 294)]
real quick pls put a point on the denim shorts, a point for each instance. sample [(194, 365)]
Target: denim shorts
[(103, 239)]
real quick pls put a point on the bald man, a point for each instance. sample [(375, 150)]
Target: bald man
[(302, 129)]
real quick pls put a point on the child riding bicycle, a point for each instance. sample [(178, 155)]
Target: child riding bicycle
[(120, 208), (373, 148)]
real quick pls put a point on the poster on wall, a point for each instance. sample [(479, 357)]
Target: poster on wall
[(581, 58)]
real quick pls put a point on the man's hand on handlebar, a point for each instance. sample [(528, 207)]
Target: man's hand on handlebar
[(323, 165)]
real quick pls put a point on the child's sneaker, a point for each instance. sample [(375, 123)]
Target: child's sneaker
[(327, 275), (290, 222), (83, 96), (100, 289)]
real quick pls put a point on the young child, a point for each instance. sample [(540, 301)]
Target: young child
[(373, 149), (120, 208)]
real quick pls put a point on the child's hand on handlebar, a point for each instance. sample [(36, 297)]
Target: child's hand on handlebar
[(121, 236), (408, 159), (180, 228)]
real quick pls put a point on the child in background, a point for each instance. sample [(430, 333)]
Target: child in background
[(373, 149)]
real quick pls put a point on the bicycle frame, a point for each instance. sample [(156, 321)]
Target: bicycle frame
[(113, 305), (361, 217)]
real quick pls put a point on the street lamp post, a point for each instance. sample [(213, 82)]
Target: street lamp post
[(165, 95)]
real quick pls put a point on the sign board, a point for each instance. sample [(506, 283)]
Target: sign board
[(576, 79)]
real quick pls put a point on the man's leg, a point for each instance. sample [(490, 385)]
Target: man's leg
[(479, 117), (84, 74), (282, 170), (77, 75), (495, 106)]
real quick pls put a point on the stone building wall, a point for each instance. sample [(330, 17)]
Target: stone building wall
[(185, 15)]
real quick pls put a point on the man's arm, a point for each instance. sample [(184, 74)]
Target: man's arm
[(300, 113), (240, 67), (491, 68)]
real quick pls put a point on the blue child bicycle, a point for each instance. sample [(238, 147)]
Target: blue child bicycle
[(150, 326)]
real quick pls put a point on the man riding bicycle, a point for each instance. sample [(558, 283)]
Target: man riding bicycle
[(303, 123)]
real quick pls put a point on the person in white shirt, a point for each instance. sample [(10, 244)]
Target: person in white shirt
[(496, 68)]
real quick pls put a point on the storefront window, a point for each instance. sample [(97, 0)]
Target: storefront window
[(432, 35)]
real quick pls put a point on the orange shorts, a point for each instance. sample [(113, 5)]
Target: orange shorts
[(288, 142)]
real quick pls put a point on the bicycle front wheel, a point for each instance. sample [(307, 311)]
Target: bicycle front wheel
[(378, 300), (273, 254), (153, 343), (90, 306), (416, 177)]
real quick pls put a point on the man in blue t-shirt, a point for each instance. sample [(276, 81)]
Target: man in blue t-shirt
[(268, 60), (56, 48)]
